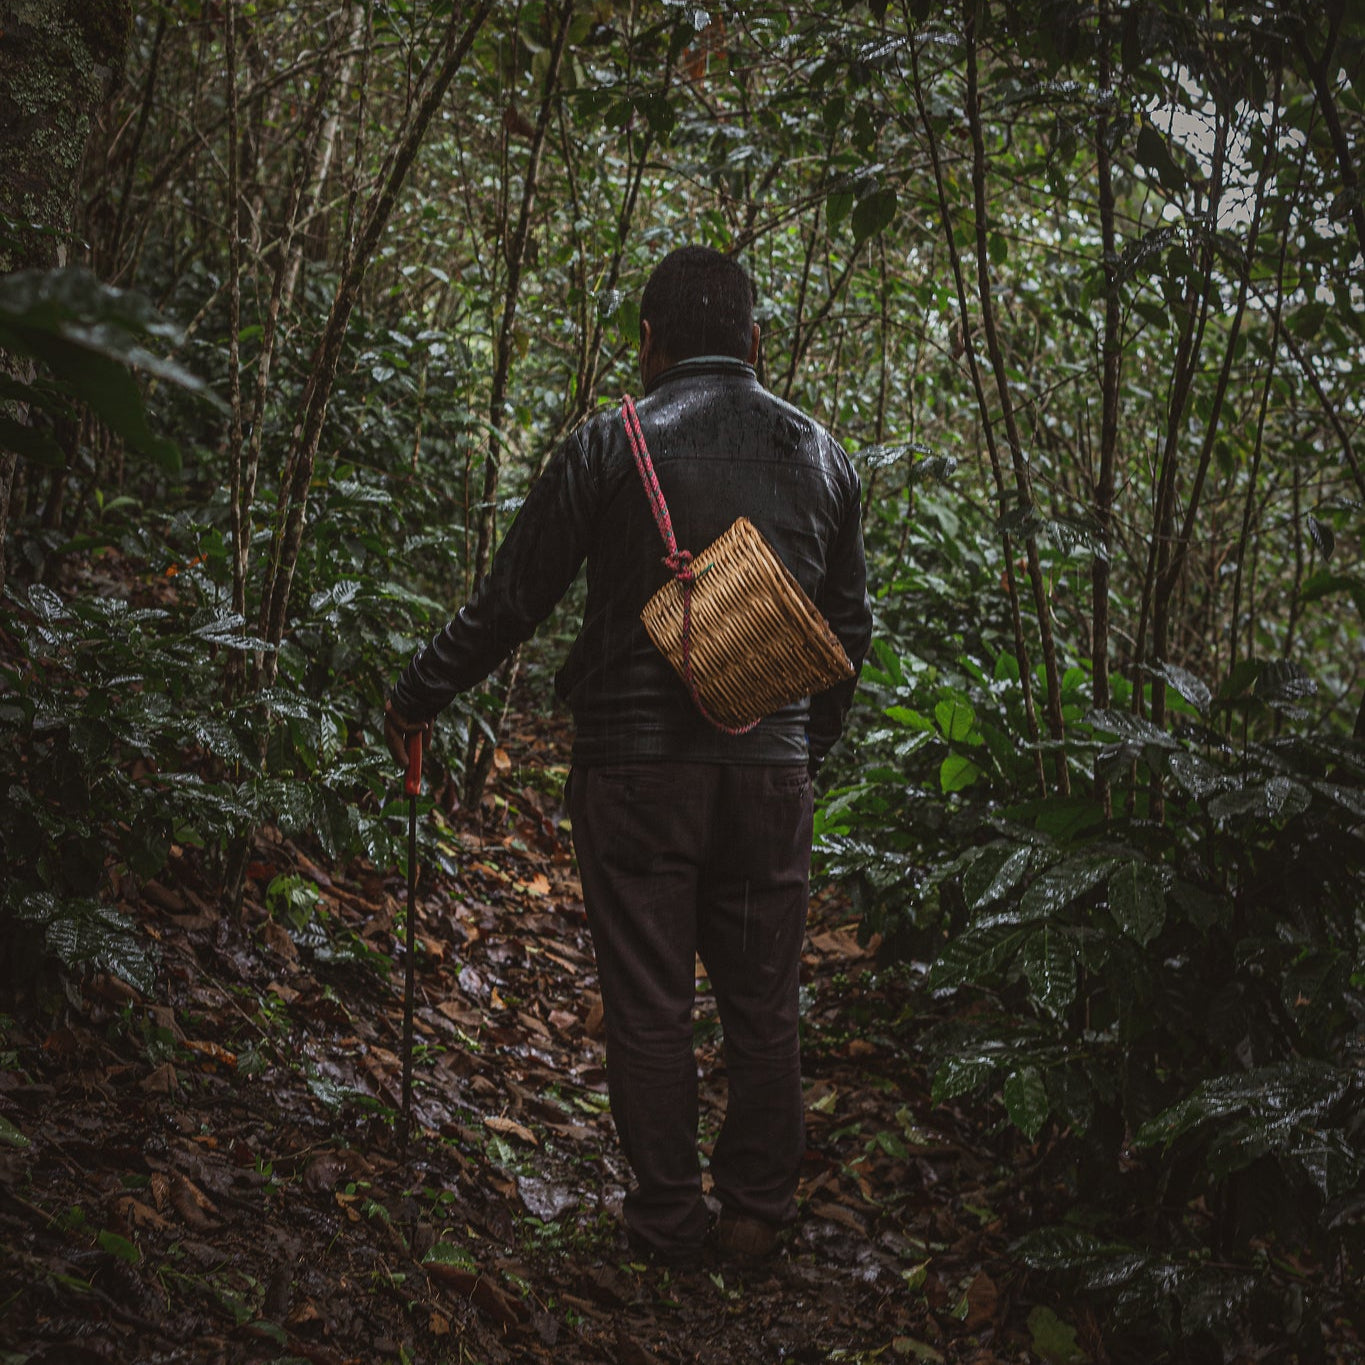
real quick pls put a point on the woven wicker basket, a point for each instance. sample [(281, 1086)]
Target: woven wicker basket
[(757, 642)]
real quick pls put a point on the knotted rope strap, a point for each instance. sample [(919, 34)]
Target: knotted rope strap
[(677, 562)]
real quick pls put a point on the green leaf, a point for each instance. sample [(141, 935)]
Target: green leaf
[(912, 720), (1197, 775), (10, 1135), (1059, 886), (1324, 584), (1152, 313), (992, 875), (1282, 680), (956, 773), (1278, 1102), (659, 113), (976, 957), (1053, 1341), (1306, 321), (891, 1145), (1184, 682), (82, 931), (1323, 536), (1026, 1101), (1049, 962), (1348, 798), (103, 383), (1241, 678), (873, 213), (448, 1253), (837, 208), (894, 452), (958, 1075), (1153, 153), (1137, 901), (1278, 798), (1131, 729), (628, 321), (119, 1246), (1068, 1248), (956, 719), (73, 310)]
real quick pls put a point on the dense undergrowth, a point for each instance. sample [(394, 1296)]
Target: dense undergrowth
[(1157, 977), (1079, 290)]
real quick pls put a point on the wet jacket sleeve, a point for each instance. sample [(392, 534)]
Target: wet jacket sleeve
[(843, 602), (532, 569)]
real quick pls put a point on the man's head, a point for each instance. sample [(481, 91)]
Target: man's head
[(697, 302)]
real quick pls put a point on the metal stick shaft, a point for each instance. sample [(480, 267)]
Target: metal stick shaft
[(413, 786)]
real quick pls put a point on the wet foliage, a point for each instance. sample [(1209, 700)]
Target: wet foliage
[(1156, 981), (1078, 286)]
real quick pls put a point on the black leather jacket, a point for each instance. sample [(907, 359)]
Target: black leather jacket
[(723, 446)]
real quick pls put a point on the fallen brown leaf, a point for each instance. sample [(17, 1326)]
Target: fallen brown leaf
[(163, 1081), (163, 897), (192, 1204), (841, 943), (837, 1213), (160, 1186), (213, 1051), (276, 938), (982, 1300), (501, 1307), (141, 1215), (511, 1128), (453, 1277)]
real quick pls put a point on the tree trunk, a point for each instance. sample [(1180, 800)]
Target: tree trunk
[(58, 59), (480, 751), (987, 430), (298, 471), (1023, 480)]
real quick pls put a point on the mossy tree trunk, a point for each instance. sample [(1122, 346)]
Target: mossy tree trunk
[(58, 60)]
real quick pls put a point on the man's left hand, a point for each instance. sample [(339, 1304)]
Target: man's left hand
[(398, 730)]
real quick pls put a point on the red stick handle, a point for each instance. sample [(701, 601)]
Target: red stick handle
[(412, 783)]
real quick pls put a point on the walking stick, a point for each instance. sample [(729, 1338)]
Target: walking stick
[(412, 785)]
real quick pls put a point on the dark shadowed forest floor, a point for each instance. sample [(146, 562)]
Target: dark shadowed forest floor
[(215, 1176)]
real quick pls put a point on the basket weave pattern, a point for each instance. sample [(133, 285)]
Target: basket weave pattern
[(756, 641)]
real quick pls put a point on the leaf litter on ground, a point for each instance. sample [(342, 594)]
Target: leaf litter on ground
[(213, 1174)]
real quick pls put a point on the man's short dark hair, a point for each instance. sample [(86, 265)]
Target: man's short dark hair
[(699, 302)]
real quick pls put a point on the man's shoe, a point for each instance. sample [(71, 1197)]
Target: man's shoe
[(744, 1239)]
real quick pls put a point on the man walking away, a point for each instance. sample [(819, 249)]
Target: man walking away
[(690, 840)]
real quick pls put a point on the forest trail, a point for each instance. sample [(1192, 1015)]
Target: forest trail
[(214, 1176)]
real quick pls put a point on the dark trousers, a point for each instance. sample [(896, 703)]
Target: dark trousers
[(680, 860)]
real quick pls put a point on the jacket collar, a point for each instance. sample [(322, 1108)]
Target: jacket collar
[(702, 366)]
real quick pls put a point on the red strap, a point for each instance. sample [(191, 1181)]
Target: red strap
[(678, 562)]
